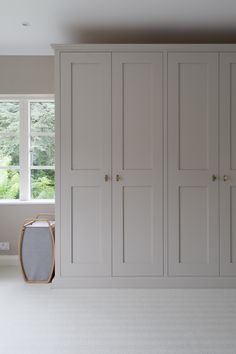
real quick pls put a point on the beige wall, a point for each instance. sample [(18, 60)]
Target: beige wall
[(26, 74), (12, 218), (23, 75)]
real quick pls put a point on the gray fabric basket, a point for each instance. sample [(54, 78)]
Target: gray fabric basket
[(37, 251)]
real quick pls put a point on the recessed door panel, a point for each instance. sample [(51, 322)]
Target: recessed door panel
[(193, 225), (137, 221), (228, 164), (88, 109), (233, 225), (232, 116), (137, 138), (193, 232), (193, 116), (86, 219), (137, 159), (85, 161)]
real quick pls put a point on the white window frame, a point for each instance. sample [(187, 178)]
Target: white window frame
[(24, 152)]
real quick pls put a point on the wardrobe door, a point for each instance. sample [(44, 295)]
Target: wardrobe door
[(228, 164), (137, 163), (193, 220), (85, 164)]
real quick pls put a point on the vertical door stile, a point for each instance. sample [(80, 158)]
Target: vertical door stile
[(137, 158), (193, 237), (86, 164), (228, 164)]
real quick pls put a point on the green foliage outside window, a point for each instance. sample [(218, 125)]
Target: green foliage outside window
[(9, 117), (42, 149), (9, 181), (9, 133), (42, 184)]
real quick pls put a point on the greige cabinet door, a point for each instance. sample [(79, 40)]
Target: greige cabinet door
[(85, 161), (137, 164), (228, 164), (193, 220)]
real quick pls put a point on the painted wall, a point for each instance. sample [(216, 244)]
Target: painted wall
[(12, 218), (26, 75), (23, 75)]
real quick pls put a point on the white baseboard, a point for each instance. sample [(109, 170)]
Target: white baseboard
[(145, 282), (9, 260)]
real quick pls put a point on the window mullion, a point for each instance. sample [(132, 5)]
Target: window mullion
[(24, 151)]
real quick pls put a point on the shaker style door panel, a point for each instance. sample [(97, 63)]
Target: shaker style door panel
[(85, 160), (137, 163), (193, 220), (228, 164)]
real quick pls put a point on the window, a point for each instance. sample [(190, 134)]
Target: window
[(27, 148)]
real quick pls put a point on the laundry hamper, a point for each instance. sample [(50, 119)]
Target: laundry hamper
[(36, 249)]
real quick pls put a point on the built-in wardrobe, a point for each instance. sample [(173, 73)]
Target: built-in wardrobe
[(146, 165)]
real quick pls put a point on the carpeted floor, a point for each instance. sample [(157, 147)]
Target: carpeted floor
[(35, 319)]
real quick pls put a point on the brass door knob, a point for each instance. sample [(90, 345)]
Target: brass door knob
[(106, 177), (225, 178), (214, 178), (118, 178)]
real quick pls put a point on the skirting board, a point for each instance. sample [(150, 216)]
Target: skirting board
[(144, 282), (9, 261)]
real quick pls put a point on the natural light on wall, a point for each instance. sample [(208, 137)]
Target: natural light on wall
[(27, 148)]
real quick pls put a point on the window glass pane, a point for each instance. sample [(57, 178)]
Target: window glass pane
[(42, 117), (42, 150), (9, 184), (9, 117), (9, 151), (42, 184)]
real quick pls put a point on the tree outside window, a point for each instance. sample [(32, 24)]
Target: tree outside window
[(27, 149)]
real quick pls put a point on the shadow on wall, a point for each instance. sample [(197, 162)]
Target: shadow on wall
[(162, 35)]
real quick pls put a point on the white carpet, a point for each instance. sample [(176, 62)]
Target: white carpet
[(35, 319)]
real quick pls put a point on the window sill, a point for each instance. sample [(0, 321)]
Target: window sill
[(28, 202)]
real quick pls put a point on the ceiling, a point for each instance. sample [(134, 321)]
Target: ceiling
[(112, 21)]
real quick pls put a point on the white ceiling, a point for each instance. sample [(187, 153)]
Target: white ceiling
[(80, 21)]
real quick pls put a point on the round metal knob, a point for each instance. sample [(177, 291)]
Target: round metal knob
[(214, 178), (118, 178), (225, 178)]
